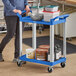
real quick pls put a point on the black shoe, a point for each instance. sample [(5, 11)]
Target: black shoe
[(1, 58)]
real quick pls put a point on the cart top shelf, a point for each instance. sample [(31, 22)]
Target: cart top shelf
[(54, 21)]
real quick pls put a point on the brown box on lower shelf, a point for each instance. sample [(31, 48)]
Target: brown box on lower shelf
[(41, 54)]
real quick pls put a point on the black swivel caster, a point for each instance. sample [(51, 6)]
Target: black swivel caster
[(40, 31), (19, 63), (50, 69), (63, 64), (69, 39)]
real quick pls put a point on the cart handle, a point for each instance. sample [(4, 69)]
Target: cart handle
[(60, 17), (20, 16)]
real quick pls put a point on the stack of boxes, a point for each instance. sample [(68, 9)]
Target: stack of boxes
[(50, 12)]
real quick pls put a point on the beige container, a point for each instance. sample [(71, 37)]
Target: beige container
[(30, 53)]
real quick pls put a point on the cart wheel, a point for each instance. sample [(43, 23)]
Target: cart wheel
[(19, 63), (50, 69), (24, 62), (69, 39), (63, 64), (40, 29), (40, 32)]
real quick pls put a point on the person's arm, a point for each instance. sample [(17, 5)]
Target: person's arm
[(27, 7), (10, 7)]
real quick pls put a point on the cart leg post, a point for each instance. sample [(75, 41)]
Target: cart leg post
[(51, 46), (20, 36), (34, 36), (63, 64), (51, 43), (19, 62), (64, 40)]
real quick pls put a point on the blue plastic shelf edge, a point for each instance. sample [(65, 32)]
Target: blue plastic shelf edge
[(43, 22), (23, 58), (61, 19), (58, 22), (59, 61)]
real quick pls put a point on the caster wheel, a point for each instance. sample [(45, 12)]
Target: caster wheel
[(69, 39), (63, 64), (50, 69), (24, 62), (40, 32), (19, 63)]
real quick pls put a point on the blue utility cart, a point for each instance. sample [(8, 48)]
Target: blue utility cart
[(54, 21)]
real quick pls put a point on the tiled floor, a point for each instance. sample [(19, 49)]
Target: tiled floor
[(8, 68)]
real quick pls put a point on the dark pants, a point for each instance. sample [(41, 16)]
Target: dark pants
[(12, 23)]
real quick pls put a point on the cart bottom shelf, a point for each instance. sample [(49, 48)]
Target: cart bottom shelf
[(23, 58)]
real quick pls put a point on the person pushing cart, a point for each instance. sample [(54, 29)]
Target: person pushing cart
[(11, 8)]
